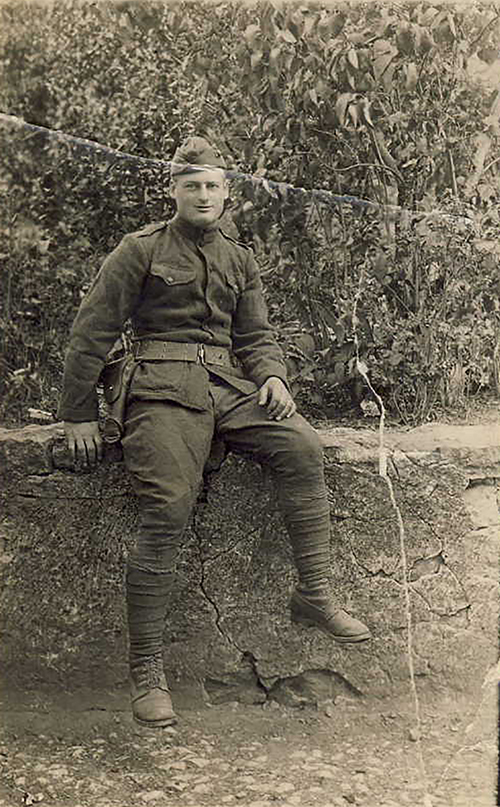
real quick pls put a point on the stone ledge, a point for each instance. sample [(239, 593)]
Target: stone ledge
[(476, 448), (65, 534)]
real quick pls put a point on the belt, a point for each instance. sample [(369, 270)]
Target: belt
[(183, 351)]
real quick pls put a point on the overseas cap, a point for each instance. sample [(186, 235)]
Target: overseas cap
[(196, 154)]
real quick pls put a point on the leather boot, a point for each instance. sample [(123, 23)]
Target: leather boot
[(150, 695), (312, 603), (147, 595), (317, 608)]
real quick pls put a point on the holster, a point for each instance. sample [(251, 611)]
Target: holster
[(115, 379)]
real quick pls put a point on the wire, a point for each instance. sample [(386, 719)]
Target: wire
[(274, 188)]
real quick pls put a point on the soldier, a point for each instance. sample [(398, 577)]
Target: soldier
[(206, 363)]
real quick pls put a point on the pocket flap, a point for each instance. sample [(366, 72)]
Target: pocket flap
[(173, 275)]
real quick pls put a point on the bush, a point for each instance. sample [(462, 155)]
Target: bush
[(400, 121)]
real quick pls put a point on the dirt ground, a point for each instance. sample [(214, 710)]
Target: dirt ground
[(350, 752)]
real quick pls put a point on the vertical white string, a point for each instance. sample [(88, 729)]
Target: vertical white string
[(382, 469)]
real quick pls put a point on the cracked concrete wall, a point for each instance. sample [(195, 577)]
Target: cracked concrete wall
[(64, 536)]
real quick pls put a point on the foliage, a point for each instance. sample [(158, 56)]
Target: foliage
[(351, 101), (382, 106)]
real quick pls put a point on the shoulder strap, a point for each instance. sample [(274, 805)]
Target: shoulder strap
[(235, 241), (149, 229)]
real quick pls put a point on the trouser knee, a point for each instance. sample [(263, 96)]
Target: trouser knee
[(300, 457), (160, 534)]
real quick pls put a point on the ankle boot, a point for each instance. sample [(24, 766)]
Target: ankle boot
[(147, 595), (317, 608), (150, 695), (312, 603)]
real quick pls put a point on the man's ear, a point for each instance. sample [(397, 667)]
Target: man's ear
[(172, 189)]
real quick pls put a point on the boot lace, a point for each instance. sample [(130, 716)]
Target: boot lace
[(149, 673)]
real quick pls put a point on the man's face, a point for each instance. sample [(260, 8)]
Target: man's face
[(200, 196)]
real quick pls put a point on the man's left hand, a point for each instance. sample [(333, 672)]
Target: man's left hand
[(274, 395)]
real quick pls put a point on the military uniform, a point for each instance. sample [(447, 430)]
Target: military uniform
[(176, 283), (203, 348)]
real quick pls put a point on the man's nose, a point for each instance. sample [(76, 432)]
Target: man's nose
[(203, 192)]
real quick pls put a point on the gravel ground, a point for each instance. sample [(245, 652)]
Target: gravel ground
[(347, 753)]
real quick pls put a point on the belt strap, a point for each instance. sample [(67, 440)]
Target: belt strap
[(183, 351)]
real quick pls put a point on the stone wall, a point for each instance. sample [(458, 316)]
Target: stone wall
[(65, 532)]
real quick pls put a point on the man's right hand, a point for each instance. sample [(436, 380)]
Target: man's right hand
[(84, 441)]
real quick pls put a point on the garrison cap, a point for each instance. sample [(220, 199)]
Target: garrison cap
[(196, 154)]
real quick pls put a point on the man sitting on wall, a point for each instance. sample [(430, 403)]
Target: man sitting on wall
[(206, 363)]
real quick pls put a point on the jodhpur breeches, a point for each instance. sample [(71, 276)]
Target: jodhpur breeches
[(166, 447)]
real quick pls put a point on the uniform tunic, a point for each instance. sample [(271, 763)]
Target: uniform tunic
[(176, 283)]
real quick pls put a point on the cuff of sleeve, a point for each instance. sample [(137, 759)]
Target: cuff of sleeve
[(77, 415), (271, 371)]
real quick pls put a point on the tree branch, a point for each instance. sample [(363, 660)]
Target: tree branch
[(477, 39)]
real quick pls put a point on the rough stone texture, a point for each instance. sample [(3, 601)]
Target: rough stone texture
[(64, 536)]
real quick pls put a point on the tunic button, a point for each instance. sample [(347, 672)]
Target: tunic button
[(170, 279)]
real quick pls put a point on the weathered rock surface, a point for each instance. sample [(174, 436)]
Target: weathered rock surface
[(64, 536)]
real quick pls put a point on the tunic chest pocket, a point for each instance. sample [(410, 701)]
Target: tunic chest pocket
[(173, 275)]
